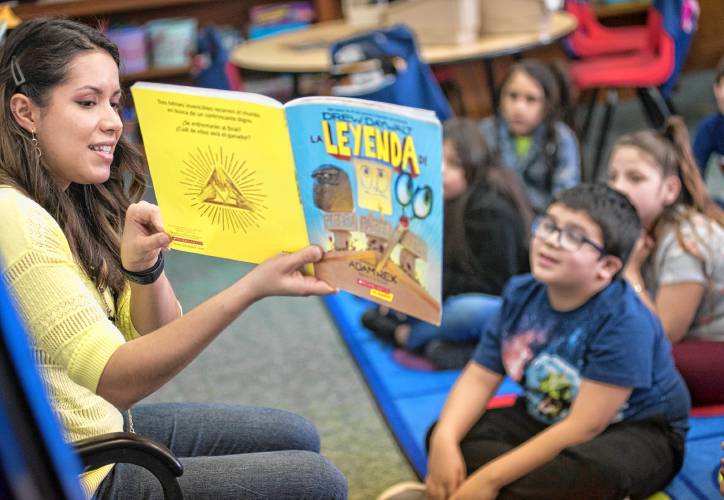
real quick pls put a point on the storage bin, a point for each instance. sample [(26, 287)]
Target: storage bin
[(512, 16), (367, 13), (438, 22), (172, 41), (131, 42)]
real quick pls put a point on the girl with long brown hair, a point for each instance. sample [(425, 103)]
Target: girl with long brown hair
[(677, 266), (83, 259), (530, 133)]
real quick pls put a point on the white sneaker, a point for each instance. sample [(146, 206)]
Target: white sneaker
[(409, 490)]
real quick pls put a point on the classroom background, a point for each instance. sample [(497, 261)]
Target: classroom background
[(288, 353)]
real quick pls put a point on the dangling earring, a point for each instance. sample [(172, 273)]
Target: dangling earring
[(36, 146)]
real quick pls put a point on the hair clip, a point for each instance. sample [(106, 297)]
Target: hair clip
[(18, 76)]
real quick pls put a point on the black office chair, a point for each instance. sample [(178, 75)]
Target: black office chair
[(35, 462)]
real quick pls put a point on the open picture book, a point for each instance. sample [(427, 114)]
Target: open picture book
[(243, 177)]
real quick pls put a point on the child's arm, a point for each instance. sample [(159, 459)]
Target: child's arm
[(675, 304), (593, 410), (464, 406)]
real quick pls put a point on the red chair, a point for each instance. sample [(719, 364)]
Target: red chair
[(591, 39), (645, 70)]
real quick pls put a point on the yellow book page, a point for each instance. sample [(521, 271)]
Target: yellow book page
[(222, 170)]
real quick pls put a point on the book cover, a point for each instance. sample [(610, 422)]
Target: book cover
[(240, 176), (370, 180)]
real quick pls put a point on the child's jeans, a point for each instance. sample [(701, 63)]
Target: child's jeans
[(464, 318)]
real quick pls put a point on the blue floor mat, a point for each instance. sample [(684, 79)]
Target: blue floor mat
[(411, 400)]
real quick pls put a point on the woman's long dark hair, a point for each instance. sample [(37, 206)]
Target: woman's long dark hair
[(558, 106), (91, 216), (475, 159)]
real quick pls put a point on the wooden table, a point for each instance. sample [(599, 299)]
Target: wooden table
[(307, 50)]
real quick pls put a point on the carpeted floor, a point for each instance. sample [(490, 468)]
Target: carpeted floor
[(286, 353)]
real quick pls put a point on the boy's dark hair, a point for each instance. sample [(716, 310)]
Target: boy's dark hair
[(611, 210), (719, 71)]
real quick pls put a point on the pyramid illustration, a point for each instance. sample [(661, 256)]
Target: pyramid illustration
[(221, 190)]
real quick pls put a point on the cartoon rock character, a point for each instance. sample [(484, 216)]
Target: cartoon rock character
[(221, 190), (332, 189)]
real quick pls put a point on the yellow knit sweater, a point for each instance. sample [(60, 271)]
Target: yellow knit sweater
[(66, 317)]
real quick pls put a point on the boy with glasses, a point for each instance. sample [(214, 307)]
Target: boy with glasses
[(604, 412)]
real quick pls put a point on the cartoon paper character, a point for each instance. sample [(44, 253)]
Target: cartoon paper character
[(332, 189), (341, 225), (413, 248), (378, 232), (373, 186)]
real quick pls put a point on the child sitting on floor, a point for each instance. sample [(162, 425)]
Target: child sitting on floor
[(604, 412), (486, 242), (709, 135), (528, 136), (678, 266)]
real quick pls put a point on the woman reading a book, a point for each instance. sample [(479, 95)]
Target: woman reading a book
[(83, 259)]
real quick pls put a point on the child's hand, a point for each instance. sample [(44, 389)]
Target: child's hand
[(478, 486), (282, 275), (473, 490), (640, 252), (446, 470), (143, 237)]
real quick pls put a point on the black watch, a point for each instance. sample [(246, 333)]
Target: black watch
[(148, 276)]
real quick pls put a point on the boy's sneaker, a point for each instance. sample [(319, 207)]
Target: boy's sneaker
[(409, 490), (382, 325), (448, 355)]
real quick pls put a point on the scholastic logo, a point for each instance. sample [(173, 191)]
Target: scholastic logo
[(187, 241), (372, 286)]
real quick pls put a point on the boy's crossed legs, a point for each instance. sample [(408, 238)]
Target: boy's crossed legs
[(631, 459)]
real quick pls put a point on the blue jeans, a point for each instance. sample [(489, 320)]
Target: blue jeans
[(229, 452), (464, 318)]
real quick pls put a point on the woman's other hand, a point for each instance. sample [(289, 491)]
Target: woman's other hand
[(143, 237), (284, 275)]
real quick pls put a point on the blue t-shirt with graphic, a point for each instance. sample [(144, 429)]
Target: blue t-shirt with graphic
[(613, 338)]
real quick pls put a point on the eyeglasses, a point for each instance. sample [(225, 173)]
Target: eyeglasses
[(569, 239)]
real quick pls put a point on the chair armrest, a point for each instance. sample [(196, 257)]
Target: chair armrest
[(126, 447)]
